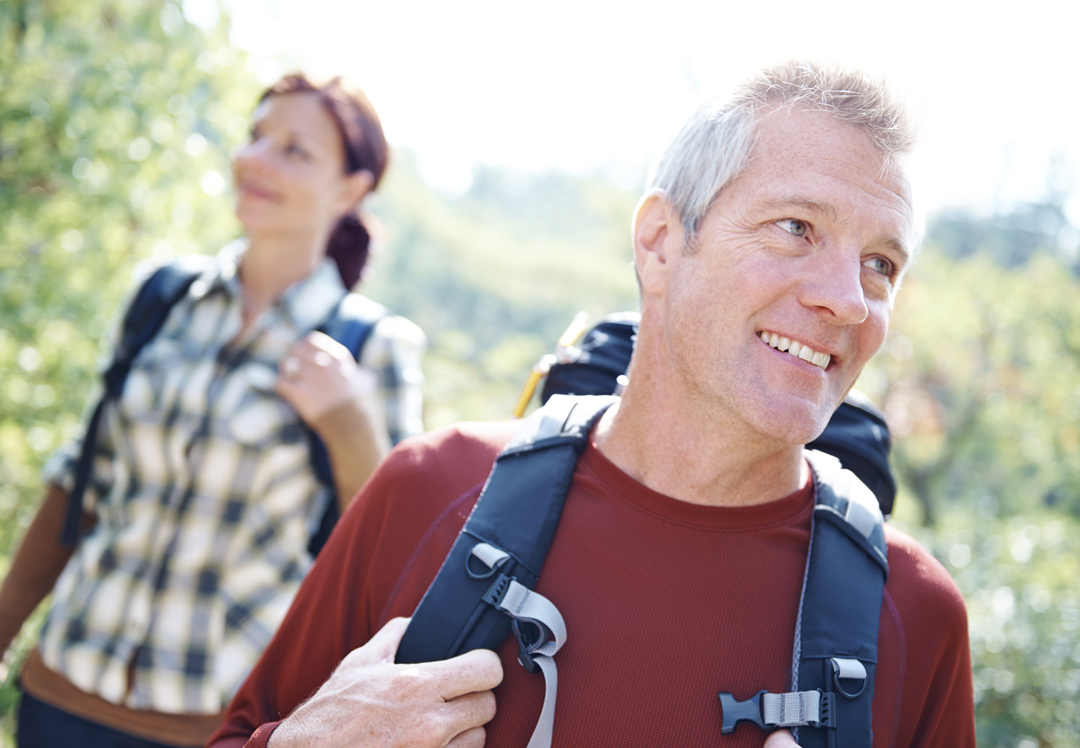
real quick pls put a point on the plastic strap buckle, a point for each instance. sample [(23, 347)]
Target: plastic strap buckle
[(773, 710)]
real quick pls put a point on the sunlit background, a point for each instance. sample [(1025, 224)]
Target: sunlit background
[(587, 85), (523, 134)]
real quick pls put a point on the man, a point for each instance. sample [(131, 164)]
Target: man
[(769, 252)]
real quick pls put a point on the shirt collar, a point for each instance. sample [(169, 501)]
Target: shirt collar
[(310, 301), (306, 303)]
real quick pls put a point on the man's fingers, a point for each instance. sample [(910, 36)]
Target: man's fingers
[(383, 646), (469, 711), (479, 670), (780, 739), (473, 738)]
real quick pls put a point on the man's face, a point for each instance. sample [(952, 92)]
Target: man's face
[(804, 251)]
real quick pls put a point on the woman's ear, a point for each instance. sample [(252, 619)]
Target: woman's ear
[(357, 186)]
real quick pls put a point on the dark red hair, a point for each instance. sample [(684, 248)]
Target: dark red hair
[(365, 149)]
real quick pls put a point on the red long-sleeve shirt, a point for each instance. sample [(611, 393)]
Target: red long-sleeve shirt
[(666, 603)]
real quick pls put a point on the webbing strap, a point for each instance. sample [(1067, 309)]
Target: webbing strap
[(523, 604), (526, 606), (541, 737), (774, 710), (791, 709)]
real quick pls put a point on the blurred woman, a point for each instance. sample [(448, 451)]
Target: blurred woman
[(203, 494)]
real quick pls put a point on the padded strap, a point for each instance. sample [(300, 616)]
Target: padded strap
[(837, 630), (485, 585)]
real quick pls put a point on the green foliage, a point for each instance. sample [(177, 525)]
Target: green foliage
[(116, 118), (496, 275), (979, 381), (1019, 576)]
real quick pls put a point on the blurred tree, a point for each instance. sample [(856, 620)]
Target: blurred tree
[(116, 118), (495, 275), (979, 381), (1019, 576)]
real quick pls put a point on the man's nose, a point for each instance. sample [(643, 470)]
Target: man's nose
[(834, 285)]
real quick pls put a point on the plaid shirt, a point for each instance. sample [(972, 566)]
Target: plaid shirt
[(205, 499)]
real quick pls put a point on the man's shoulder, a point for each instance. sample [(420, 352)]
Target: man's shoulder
[(461, 452), (919, 585)]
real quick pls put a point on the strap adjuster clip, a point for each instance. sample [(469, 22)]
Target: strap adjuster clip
[(735, 712)]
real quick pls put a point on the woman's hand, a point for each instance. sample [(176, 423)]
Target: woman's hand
[(318, 375), (339, 400)]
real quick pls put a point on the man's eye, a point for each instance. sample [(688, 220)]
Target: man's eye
[(880, 265), (794, 226), (295, 150)]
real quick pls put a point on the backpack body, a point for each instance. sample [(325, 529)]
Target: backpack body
[(350, 324)]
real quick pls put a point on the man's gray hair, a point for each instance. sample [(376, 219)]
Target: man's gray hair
[(714, 145)]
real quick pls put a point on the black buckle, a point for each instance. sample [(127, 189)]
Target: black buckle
[(527, 645), (735, 712), (497, 591)]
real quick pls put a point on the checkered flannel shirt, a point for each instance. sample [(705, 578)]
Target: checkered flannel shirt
[(205, 498)]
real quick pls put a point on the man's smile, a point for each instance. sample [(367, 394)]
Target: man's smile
[(795, 348)]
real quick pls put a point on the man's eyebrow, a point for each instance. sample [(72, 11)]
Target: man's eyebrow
[(829, 210), (897, 246)]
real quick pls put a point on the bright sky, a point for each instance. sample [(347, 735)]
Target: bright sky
[(585, 85)]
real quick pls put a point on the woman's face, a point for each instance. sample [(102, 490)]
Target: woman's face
[(290, 177)]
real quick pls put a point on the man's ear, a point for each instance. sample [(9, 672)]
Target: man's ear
[(357, 186), (656, 232)]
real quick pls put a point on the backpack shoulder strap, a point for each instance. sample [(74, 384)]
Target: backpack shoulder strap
[(836, 635), (484, 587), (352, 321), (143, 319), (350, 324), (841, 604), (517, 514)]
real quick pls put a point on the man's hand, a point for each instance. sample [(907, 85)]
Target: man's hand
[(780, 739), (370, 701)]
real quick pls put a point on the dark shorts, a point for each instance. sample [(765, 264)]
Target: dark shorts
[(42, 725)]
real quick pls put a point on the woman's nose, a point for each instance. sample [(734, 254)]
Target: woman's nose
[(253, 154)]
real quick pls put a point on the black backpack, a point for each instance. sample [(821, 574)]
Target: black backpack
[(350, 324), (485, 587)]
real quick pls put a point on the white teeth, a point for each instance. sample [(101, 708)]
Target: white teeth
[(797, 349)]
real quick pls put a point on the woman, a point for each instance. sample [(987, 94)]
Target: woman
[(203, 495)]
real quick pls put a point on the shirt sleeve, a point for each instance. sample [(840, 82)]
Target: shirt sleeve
[(395, 351), (935, 705)]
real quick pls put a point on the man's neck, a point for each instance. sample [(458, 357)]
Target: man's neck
[(688, 455)]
